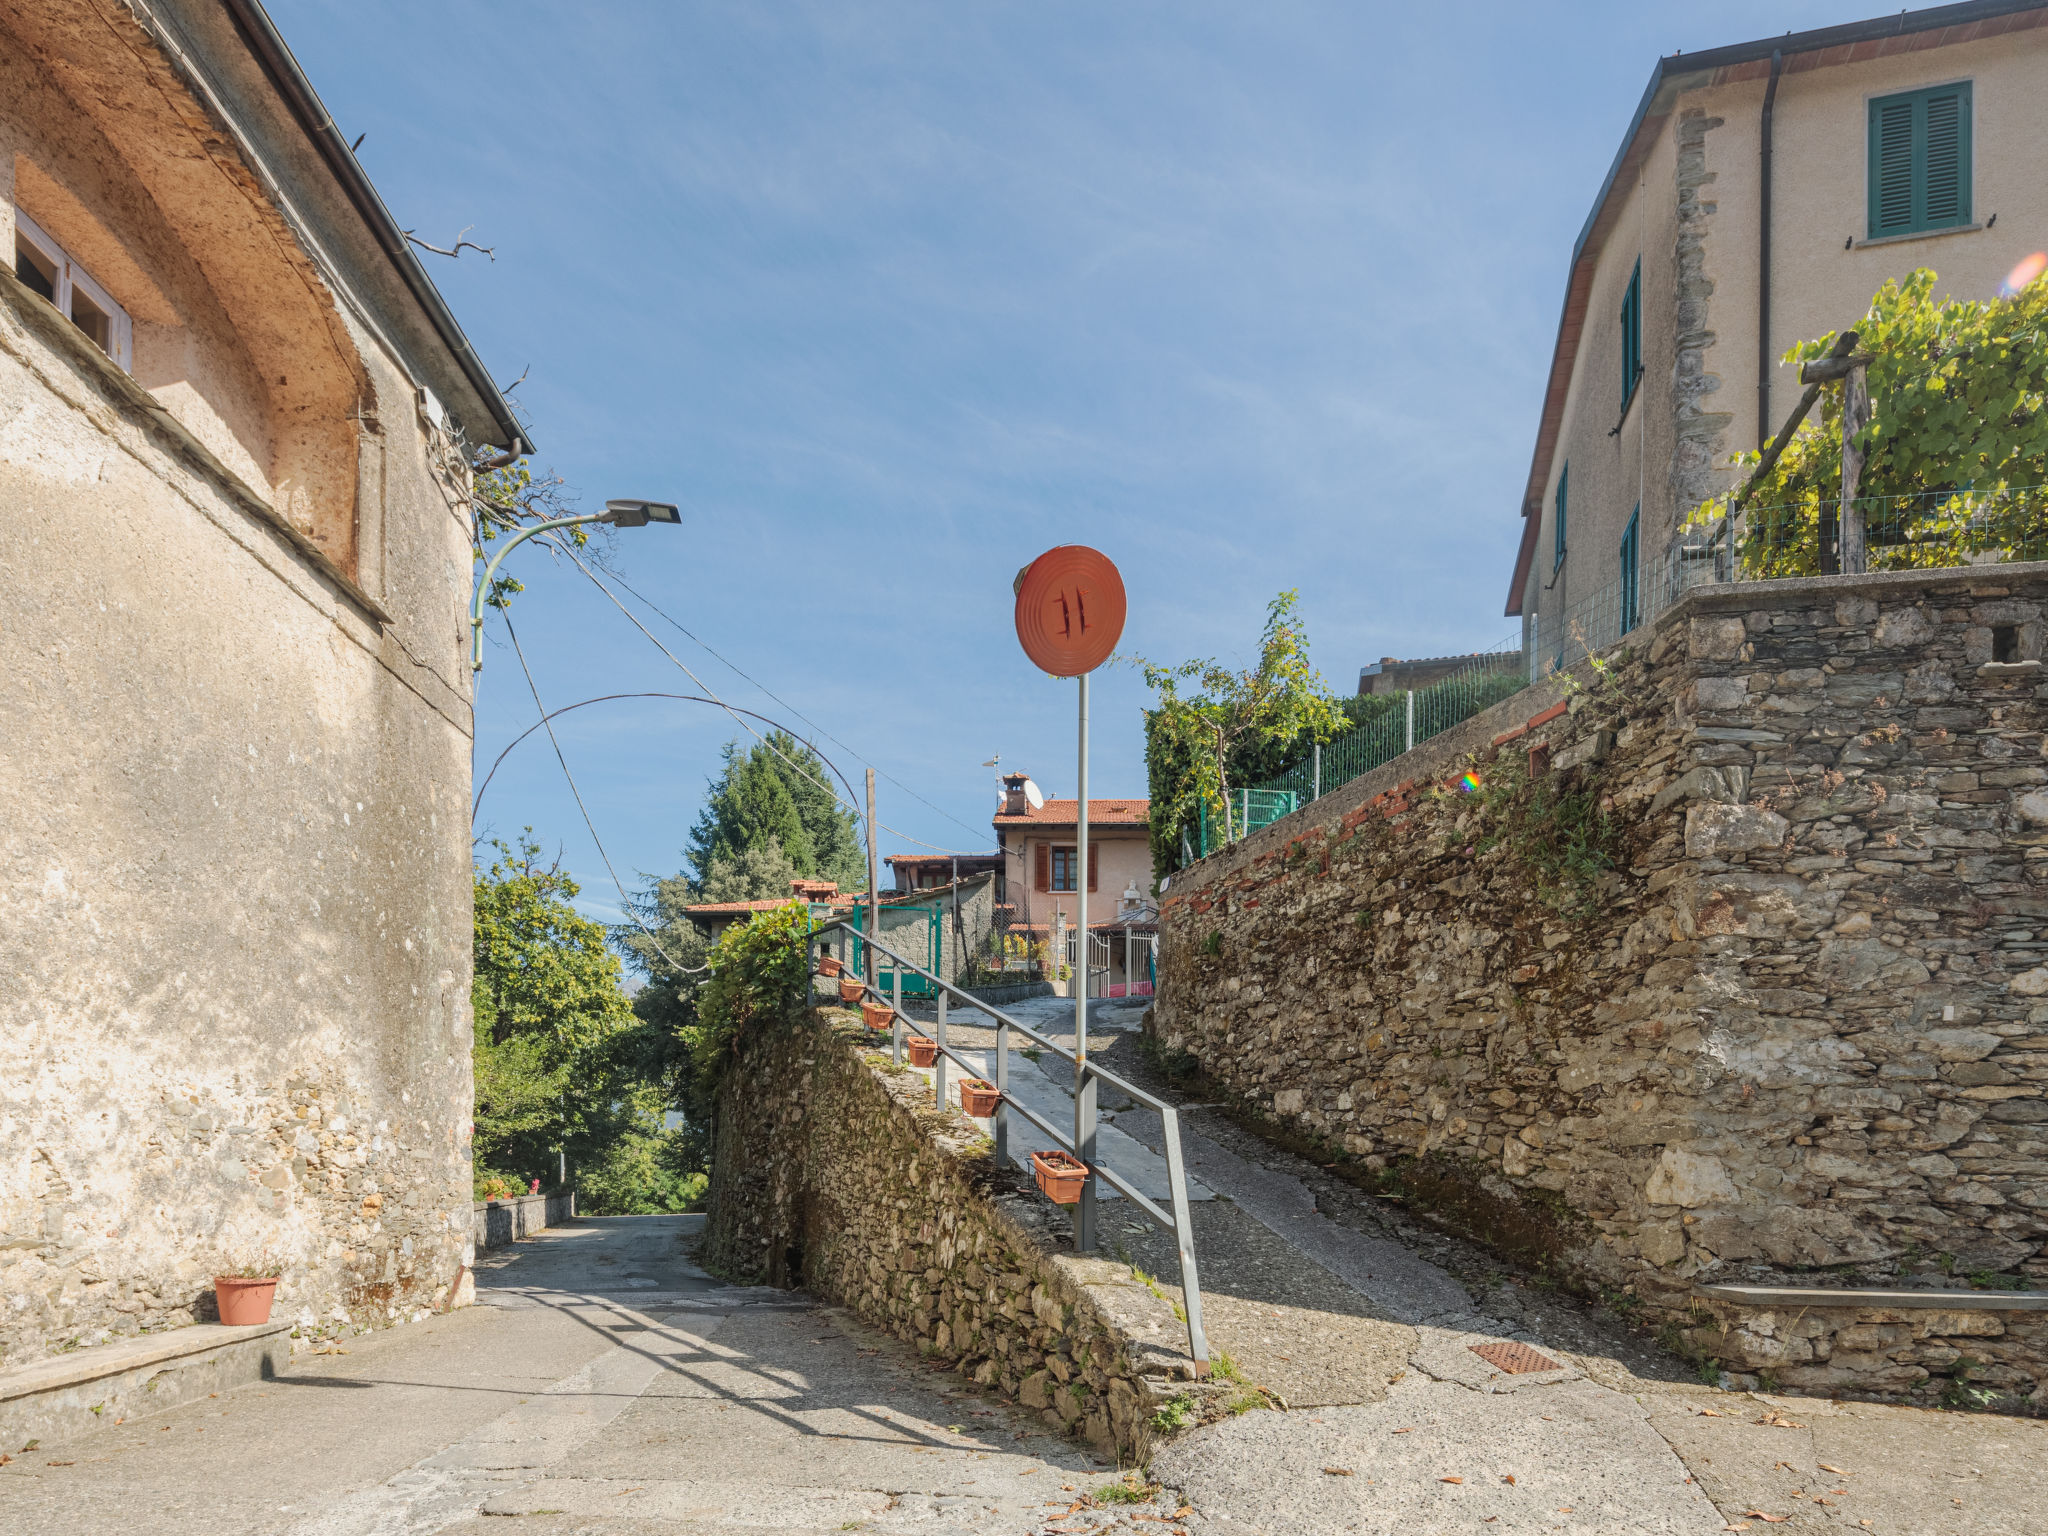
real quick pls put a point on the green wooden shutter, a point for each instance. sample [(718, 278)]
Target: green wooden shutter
[(1920, 161), (1631, 334), (1563, 477)]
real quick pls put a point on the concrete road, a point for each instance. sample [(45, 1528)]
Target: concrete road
[(602, 1386)]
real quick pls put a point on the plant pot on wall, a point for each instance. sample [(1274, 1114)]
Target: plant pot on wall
[(244, 1301), (924, 1051), (850, 989), (876, 1015), (829, 966), (1060, 1176), (978, 1098)]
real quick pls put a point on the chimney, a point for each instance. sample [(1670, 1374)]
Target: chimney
[(1014, 803)]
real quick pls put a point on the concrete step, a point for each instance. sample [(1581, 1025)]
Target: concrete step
[(73, 1395)]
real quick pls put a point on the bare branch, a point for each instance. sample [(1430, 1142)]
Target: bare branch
[(457, 248)]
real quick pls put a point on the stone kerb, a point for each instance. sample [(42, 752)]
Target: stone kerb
[(1792, 1020), (833, 1170)]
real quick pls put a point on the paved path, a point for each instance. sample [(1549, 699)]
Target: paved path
[(604, 1387)]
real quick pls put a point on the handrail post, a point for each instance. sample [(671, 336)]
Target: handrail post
[(939, 1062), (1002, 1125), (1184, 1238), (896, 1016)]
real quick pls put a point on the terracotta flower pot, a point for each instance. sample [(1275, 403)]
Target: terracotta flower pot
[(979, 1098), (850, 989), (244, 1303), (1060, 1176), (924, 1051), (829, 966), (876, 1015)]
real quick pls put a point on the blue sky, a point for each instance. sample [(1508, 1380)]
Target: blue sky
[(890, 298)]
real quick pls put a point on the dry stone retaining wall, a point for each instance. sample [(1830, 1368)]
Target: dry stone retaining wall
[(832, 1171), (1799, 1028)]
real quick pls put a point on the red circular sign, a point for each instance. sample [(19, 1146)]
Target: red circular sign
[(1070, 610)]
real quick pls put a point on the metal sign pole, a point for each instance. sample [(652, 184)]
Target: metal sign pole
[(1084, 1082)]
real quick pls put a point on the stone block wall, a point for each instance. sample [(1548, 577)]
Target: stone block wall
[(1798, 1028), (832, 1171)]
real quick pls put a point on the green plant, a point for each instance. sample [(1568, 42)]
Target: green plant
[(1224, 1368), (1176, 1413), (1767, 1381), (1957, 395), (1211, 726), (1959, 1393), (1987, 1280), (1562, 835), (1132, 1490), (1213, 945)]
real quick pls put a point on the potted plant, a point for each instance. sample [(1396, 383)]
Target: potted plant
[(829, 966), (850, 989), (876, 1015), (924, 1051), (978, 1097), (1060, 1176), (245, 1292)]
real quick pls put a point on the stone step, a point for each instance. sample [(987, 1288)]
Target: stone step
[(60, 1399)]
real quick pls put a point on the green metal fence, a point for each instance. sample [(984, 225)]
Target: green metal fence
[(1407, 719)]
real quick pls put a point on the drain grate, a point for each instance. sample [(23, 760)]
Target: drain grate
[(1515, 1359)]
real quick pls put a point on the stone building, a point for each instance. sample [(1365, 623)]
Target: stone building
[(1748, 208), (235, 740)]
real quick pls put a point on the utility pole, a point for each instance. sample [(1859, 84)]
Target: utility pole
[(874, 903)]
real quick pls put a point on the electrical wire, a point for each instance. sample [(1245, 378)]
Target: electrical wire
[(803, 717), (625, 901), (795, 766)]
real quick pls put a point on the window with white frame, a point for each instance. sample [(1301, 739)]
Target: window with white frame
[(44, 266)]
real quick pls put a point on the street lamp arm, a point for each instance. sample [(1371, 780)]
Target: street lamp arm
[(483, 587)]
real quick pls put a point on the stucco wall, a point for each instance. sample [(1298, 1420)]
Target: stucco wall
[(1692, 213), (1795, 1034), (234, 858)]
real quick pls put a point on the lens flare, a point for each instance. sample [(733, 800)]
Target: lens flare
[(2020, 276), (1468, 783)]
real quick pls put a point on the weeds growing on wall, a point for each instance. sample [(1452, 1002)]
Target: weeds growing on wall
[(1557, 829), (758, 974)]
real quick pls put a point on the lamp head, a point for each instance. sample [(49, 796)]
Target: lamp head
[(638, 514)]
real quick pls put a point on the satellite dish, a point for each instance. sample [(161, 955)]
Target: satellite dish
[(1034, 794)]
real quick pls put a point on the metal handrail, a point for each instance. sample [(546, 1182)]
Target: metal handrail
[(1179, 1222)]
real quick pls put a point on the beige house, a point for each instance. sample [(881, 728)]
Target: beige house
[(235, 420), (1762, 193), (1042, 876)]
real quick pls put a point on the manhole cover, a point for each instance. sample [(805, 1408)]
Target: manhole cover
[(1515, 1359)]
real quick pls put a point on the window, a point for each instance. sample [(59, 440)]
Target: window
[(1631, 597), (1920, 161), (1563, 475), (1631, 336), (1065, 865), (43, 266)]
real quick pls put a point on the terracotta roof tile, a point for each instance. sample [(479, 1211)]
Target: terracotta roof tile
[(1062, 813)]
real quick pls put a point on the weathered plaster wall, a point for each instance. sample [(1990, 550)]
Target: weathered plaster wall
[(833, 1172), (234, 871), (1801, 1025)]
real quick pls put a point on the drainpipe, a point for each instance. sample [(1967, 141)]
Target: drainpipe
[(1763, 258)]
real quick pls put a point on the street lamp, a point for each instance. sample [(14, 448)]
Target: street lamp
[(620, 514)]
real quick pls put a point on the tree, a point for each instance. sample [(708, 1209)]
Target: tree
[(1957, 396), (781, 790), (549, 1011), (1211, 725)]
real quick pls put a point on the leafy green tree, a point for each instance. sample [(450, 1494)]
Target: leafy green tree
[(1957, 395), (779, 790), (549, 1012), (1212, 728)]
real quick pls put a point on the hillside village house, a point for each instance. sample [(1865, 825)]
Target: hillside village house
[(234, 745), (1762, 193), (1042, 878)]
